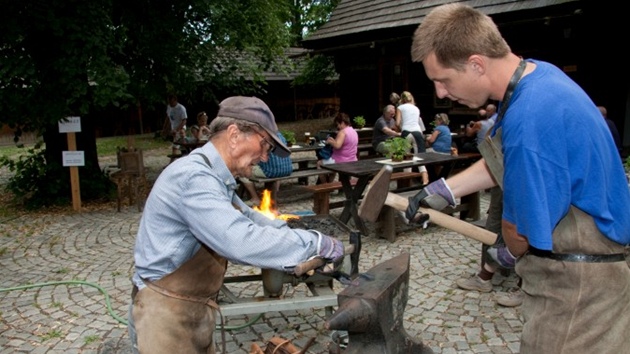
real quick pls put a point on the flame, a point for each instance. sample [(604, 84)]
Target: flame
[(266, 208)]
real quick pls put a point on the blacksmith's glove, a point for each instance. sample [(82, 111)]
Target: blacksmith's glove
[(436, 195), (502, 255), (329, 248)]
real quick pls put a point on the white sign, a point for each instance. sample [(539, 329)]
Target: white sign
[(73, 158), (70, 125)]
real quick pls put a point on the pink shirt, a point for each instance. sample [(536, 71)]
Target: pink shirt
[(348, 150)]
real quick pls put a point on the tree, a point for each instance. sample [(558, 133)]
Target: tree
[(62, 58), (306, 17)]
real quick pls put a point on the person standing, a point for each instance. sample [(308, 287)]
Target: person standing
[(565, 221), (176, 114), (194, 223), (612, 127), (384, 128), (408, 119), (479, 129)]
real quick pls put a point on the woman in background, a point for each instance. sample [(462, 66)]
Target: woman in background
[(344, 145), (408, 120), (440, 139)]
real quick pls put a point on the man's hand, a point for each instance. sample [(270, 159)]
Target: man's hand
[(436, 195), (502, 255)]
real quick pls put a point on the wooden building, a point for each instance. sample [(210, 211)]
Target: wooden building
[(370, 41)]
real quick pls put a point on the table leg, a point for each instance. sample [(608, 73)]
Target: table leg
[(352, 199)]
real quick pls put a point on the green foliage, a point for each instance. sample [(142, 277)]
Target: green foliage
[(397, 147), (626, 164), (289, 136), (319, 69), (36, 183), (359, 121)]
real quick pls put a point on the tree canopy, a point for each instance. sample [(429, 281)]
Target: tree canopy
[(62, 58)]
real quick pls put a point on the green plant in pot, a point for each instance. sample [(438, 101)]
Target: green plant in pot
[(397, 148), (359, 121), (289, 136)]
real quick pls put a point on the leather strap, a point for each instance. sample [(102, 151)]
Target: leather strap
[(516, 77), (582, 258)]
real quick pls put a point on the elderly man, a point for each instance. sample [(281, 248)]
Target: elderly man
[(565, 197), (384, 128), (194, 223)]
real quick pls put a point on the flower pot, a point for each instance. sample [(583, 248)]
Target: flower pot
[(408, 157)]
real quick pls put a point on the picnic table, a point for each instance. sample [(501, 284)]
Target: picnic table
[(364, 170)]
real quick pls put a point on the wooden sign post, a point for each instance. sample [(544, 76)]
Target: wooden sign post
[(73, 158)]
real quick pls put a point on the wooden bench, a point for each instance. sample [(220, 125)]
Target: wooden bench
[(304, 162), (273, 184), (321, 192)]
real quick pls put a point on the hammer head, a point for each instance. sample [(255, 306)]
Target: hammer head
[(376, 194)]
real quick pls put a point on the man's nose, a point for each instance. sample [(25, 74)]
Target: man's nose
[(440, 91)]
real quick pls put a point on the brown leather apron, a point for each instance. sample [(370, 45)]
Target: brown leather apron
[(176, 314), (575, 307)]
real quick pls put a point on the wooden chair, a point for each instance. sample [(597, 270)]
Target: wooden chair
[(131, 180)]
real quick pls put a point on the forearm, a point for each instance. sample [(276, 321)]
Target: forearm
[(391, 132), (475, 178)]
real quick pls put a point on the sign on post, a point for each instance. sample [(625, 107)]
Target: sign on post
[(73, 158)]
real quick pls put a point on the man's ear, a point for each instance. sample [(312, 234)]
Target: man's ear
[(477, 64), (233, 133)]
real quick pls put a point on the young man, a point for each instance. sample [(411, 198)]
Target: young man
[(565, 207), (194, 223)]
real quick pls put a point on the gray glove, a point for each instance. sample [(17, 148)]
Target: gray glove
[(436, 195), (502, 255), (329, 248)]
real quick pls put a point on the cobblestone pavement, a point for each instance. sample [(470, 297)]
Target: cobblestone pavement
[(62, 271)]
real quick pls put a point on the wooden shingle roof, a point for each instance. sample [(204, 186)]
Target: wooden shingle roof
[(357, 16)]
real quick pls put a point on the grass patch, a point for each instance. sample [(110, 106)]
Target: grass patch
[(109, 145), (91, 339), (51, 334)]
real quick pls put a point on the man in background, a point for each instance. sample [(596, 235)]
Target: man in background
[(384, 128), (612, 127), (176, 114)]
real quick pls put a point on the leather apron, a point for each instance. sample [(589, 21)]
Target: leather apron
[(570, 307), (575, 307), (176, 314)]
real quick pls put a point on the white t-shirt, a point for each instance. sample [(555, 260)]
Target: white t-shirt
[(176, 115), (410, 117)]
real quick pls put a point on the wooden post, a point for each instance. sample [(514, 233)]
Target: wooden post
[(74, 175)]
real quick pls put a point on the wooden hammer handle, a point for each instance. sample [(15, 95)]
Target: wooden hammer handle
[(469, 230), (316, 262)]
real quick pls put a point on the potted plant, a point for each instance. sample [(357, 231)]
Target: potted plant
[(359, 122), (289, 136), (397, 148)]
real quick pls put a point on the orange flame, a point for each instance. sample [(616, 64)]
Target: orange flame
[(266, 208)]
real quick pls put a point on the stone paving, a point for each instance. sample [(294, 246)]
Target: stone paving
[(61, 271)]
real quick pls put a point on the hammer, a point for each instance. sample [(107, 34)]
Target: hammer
[(377, 194)]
